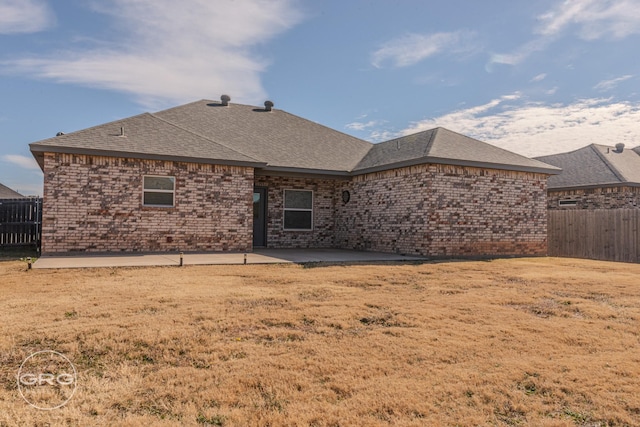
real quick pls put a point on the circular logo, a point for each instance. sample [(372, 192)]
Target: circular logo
[(47, 380)]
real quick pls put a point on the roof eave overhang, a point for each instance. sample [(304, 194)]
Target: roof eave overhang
[(301, 172), (594, 186), (39, 156), (39, 150), (456, 162)]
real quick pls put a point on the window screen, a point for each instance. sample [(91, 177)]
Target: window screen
[(158, 191), (298, 210)]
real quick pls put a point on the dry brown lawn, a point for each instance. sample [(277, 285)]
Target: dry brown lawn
[(541, 342)]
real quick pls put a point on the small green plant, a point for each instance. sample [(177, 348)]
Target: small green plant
[(577, 417), (29, 261), (215, 420)]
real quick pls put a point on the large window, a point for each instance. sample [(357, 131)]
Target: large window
[(298, 210), (158, 191)]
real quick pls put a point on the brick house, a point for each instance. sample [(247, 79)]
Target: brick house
[(217, 176), (595, 177)]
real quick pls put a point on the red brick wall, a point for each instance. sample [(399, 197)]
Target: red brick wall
[(94, 204), (597, 198), (442, 211), (322, 235)]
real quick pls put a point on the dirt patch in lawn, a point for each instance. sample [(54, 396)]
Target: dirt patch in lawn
[(544, 341)]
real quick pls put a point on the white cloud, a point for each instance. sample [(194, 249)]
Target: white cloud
[(413, 48), (539, 77), (22, 161), (165, 51), (535, 129), (24, 16), (520, 54), (360, 126), (594, 18), (383, 135), (606, 85)]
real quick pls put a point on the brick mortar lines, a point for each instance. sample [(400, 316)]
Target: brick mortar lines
[(441, 210), (85, 208), (596, 198), (432, 210)]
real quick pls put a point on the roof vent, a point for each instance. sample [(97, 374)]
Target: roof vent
[(59, 133), (619, 147), (268, 105), (122, 131), (225, 100)]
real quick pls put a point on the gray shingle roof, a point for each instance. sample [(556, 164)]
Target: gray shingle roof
[(145, 135), (7, 193), (594, 166), (441, 145), (207, 132), (276, 137)]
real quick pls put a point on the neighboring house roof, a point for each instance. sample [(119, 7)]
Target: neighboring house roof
[(208, 132), (595, 166), (441, 145), (7, 193)]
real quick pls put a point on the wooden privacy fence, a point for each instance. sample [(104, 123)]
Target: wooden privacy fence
[(20, 223), (605, 234)]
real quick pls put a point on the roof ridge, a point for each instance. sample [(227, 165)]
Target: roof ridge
[(610, 165), (183, 105), (487, 144), (202, 136), (546, 156), (358, 160), (504, 150), (432, 138)]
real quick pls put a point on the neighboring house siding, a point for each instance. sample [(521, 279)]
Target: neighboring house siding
[(596, 198), (442, 211), (94, 204), (322, 235)]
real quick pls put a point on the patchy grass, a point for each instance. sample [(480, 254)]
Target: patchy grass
[(544, 342)]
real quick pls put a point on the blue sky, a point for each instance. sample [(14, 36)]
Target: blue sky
[(533, 77)]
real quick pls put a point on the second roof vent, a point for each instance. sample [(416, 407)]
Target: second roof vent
[(619, 147), (225, 100), (268, 105)]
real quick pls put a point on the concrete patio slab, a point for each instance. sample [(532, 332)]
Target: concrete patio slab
[(259, 256)]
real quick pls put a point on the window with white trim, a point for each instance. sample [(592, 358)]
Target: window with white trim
[(158, 191), (298, 210)]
